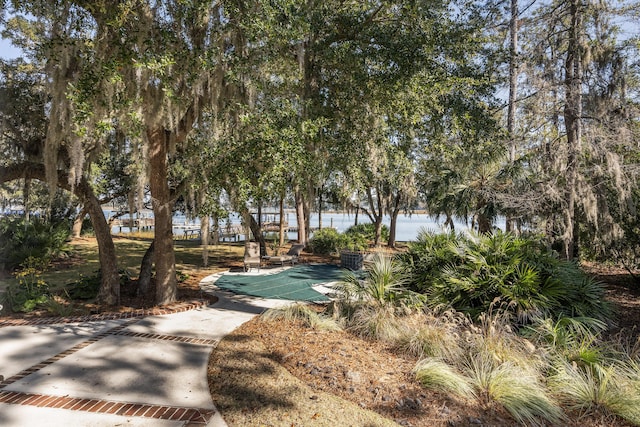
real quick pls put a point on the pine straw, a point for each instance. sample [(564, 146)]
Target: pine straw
[(252, 389), (296, 363), (281, 373)]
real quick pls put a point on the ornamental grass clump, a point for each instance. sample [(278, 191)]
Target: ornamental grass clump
[(494, 334), (303, 313), (436, 374), (372, 305), (429, 335), (495, 366), (612, 388), (515, 388)]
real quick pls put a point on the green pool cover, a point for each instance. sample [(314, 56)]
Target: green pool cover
[(291, 284)]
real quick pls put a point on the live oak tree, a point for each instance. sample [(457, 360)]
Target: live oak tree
[(148, 68), (23, 122)]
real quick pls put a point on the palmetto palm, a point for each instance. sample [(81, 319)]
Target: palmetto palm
[(384, 284)]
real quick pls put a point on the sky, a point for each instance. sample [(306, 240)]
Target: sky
[(7, 51)]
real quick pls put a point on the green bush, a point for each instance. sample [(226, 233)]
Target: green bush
[(328, 241), (356, 238), (30, 291), (85, 288), (368, 231), (36, 238), (474, 273)]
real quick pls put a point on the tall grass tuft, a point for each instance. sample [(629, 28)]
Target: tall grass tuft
[(378, 323), (518, 390), (303, 313), (612, 388), (436, 374), (428, 335)]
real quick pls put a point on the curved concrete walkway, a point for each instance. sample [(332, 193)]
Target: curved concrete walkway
[(147, 370)]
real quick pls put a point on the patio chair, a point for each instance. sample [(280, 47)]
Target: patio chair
[(252, 256), (292, 256), (294, 253)]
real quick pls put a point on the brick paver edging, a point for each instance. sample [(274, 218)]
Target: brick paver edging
[(155, 311), (195, 416)]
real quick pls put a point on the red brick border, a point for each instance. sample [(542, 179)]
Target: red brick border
[(188, 340), (195, 416), (142, 312)]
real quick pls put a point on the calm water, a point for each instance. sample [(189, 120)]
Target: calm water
[(407, 229)]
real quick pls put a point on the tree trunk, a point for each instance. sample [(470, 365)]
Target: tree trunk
[(572, 115), (109, 292), (256, 230), (204, 239), (146, 269), (282, 223), (513, 90), (26, 193), (375, 214), (449, 223), (320, 208), (484, 225), (306, 204), (300, 218), (76, 229), (393, 225), (391, 242), (164, 256)]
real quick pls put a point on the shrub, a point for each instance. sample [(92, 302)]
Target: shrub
[(30, 291), (368, 231), (328, 241), (574, 339), (37, 238), (519, 274), (85, 288)]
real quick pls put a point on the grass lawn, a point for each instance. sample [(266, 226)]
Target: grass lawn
[(83, 259)]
